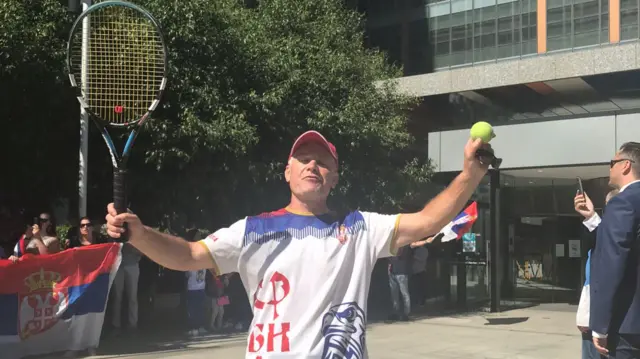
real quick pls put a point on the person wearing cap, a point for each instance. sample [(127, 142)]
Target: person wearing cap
[(306, 269)]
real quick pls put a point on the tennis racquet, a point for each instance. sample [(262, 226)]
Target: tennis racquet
[(118, 69)]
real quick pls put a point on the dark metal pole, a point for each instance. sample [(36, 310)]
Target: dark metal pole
[(494, 183)]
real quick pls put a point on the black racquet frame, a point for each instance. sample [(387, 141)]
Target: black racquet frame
[(119, 161)]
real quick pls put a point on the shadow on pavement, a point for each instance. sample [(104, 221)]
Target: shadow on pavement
[(145, 343), (505, 321), (380, 315), (152, 341)]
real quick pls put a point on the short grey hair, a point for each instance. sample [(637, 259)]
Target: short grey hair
[(631, 151)]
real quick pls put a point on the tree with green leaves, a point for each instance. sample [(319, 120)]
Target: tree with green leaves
[(244, 81), (39, 136)]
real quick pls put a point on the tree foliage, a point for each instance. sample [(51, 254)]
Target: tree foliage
[(39, 135), (243, 83)]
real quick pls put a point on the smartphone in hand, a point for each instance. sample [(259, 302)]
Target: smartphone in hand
[(580, 188)]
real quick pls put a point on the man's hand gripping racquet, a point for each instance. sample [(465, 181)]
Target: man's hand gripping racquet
[(119, 71)]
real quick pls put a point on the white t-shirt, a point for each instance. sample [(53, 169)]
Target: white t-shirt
[(31, 244), (307, 279), (195, 279)]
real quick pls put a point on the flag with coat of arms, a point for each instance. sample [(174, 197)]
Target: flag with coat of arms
[(54, 303), (461, 224)]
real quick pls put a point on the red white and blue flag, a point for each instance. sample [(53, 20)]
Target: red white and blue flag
[(54, 303), (461, 224)]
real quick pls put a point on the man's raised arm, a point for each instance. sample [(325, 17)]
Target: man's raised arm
[(167, 250), (446, 205)]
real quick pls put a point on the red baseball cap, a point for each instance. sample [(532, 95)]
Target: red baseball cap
[(314, 137)]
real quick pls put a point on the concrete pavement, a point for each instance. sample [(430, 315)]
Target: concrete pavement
[(542, 332)]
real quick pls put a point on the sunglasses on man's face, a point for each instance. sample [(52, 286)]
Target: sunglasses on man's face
[(44, 220), (613, 162), (85, 225)]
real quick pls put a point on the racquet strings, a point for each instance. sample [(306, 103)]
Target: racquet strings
[(124, 63)]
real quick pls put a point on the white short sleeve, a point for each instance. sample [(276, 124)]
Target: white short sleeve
[(225, 246), (381, 230)]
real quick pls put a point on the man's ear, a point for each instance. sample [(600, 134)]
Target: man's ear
[(287, 173)]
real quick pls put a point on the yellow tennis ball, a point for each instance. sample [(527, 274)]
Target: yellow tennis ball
[(483, 131)]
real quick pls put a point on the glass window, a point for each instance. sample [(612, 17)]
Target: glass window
[(461, 32), (485, 32), (441, 35), (604, 21), (471, 31), (558, 24), (461, 45), (586, 23), (529, 27), (508, 31), (629, 19), (577, 23)]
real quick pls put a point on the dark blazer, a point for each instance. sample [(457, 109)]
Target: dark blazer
[(615, 267)]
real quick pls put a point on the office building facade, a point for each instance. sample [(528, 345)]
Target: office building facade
[(560, 82)]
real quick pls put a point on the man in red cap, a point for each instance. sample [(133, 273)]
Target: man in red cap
[(306, 269)]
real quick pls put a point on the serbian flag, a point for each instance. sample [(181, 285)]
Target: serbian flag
[(461, 224), (53, 303)]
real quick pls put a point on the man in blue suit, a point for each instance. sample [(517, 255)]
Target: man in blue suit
[(615, 262), (584, 206)]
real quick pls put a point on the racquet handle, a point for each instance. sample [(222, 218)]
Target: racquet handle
[(488, 156), (120, 195)]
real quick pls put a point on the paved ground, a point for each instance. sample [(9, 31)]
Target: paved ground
[(541, 332)]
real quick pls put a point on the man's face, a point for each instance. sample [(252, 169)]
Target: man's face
[(85, 226), (45, 221), (620, 165), (312, 172)]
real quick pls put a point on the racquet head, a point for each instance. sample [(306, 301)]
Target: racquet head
[(119, 66)]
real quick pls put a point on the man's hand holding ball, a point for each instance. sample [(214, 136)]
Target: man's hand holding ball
[(483, 132)]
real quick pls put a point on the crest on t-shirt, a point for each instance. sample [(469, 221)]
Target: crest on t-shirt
[(343, 329), (342, 234)]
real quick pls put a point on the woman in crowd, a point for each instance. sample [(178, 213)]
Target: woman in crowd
[(86, 236), (40, 238), (45, 230), (28, 244)]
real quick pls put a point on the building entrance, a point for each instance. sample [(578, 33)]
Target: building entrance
[(546, 248), (540, 244), (546, 259)]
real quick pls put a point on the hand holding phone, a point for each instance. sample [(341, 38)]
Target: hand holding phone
[(582, 203), (580, 188)]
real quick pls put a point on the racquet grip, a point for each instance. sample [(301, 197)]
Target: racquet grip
[(119, 190), (120, 196)]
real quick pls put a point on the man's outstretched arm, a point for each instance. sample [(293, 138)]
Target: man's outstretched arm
[(446, 205), (167, 250)]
